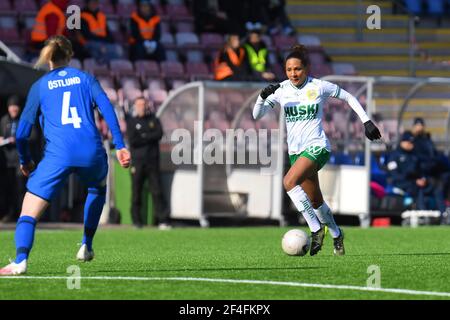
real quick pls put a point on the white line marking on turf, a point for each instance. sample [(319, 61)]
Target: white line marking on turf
[(237, 281)]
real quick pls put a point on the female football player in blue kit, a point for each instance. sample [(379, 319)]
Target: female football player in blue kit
[(64, 101)]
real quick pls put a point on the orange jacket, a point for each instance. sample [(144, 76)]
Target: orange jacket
[(222, 70), (97, 25), (146, 28), (39, 31)]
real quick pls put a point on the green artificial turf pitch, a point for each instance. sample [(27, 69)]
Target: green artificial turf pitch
[(185, 263)]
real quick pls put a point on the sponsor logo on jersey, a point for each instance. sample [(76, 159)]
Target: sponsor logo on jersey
[(301, 112), (62, 73), (53, 84), (312, 94)]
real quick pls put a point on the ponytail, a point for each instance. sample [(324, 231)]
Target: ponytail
[(57, 49), (300, 52)]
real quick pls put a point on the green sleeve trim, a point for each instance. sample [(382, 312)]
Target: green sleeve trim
[(337, 93)]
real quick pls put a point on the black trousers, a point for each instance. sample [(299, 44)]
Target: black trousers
[(14, 190), (139, 174)]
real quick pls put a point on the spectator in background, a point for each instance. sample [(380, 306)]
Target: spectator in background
[(144, 133), (257, 54), (255, 13), (94, 37), (405, 172), (145, 28), (232, 64), (13, 179), (216, 16), (50, 21), (434, 163), (276, 12)]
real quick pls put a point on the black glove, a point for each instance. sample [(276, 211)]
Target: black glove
[(371, 131), (267, 91)]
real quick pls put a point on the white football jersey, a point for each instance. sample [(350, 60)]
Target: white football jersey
[(303, 108)]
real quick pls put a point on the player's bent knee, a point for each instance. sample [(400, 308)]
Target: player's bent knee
[(289, 183)]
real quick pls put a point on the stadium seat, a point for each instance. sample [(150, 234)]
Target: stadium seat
[(436, 7), (25, 6), (111, 93), (343, 69), (160, 11), (187, 40), (130, 94), (129, 82), (177, 83), (283, 42), (6, 8), (319, 71), (178, 12), (155, 83), (11, 36), (105, 82), (165, 27), (147, 68), (194, 69), (177, 2), (92, 66), (211, 40), (157, 96), (121, 67), (195, 56), (28, 21), (316, 58), (184, 26), (309, 40), (19, 51), (107, 8), (415, 6), (340, 158), (169, 122), (247, 122), (273, 57), (279, 71), (125, 9), (267, 40), (269, 121), (217, 120), (172, 69), (172, 55), (167, 40), (75, 63), (80, 3), (8, 21)]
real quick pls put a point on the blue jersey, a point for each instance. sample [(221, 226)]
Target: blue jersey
[(64, 100)]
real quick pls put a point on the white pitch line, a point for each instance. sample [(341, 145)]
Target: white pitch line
[(237, 281)]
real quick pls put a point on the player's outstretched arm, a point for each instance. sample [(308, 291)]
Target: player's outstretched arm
[(371, 131), (261, 107)]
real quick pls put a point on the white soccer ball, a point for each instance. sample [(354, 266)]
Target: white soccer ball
[(295, 242)]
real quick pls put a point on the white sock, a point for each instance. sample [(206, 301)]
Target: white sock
[(326, 217), (302, 203)]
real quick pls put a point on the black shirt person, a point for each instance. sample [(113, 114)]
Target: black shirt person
[(144, 133)]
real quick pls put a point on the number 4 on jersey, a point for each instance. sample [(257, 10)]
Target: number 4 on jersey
[(73, 118)]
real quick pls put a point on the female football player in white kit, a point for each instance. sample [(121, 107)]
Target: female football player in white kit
[(302, 98)]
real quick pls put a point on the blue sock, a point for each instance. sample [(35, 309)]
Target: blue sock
[(92, 212), (24, 237)]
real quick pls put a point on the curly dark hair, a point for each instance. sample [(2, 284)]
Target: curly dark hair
[(300, 52)]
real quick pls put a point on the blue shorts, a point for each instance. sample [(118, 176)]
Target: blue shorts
[(49, 178)]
